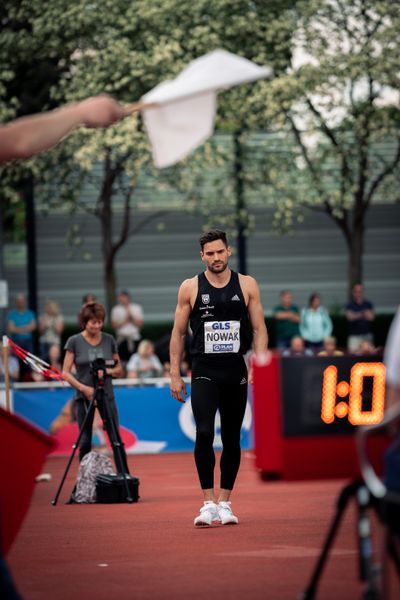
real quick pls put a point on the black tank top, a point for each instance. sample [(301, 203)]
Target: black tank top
[(219, 320)]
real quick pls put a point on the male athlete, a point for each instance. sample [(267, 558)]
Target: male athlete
[(222, 308)]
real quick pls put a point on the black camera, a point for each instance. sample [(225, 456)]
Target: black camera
[(99, 368), (100, 364)]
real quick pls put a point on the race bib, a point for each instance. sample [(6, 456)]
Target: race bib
[(221, 337)]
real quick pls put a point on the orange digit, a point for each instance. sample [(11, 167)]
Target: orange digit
[(329, 394), (357, 416)]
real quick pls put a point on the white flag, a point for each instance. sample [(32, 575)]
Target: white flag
[(183, 110)]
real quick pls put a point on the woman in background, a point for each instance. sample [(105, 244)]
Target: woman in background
[(144, 363), (315, 324), (81, 351), (51, 326)]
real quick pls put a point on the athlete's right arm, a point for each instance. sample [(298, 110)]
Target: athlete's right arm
[(182, 313)]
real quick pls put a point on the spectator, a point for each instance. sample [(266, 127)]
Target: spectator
[(365, 348), (21, 323), (51, 326), (145, 363), (54, 359), (360, 315), (55, 356), (86, 299), (297, 348), (13, 368), (315, 324), (330, 348), (166, 369), (184, 368), (287, 316), (127, 321)]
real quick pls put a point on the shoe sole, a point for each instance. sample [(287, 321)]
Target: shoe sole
[(205, 524), (202, 524), (230, 522)]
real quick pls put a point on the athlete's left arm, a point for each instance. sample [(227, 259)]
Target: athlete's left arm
[(256, 314), (257, 319)]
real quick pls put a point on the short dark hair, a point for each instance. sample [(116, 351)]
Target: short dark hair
[(91, 310), (312, 297), (211, 236), (89, 298)]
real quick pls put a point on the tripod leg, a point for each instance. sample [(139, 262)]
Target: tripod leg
[(394, 550), (116, 442), (368, 571), (344, 496), (74, 447)]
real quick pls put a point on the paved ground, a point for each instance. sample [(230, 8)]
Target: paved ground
[(151, 550)]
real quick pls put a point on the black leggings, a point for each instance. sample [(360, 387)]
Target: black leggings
[(218, 383)]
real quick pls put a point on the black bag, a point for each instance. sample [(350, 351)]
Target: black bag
[(112, 488)]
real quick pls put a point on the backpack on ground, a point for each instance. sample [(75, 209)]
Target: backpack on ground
[(92, 465)]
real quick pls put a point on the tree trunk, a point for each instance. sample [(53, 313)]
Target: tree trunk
[(105, 216), (355, 245), (110, 283), (109, 274), (240, 204), (30, 221)]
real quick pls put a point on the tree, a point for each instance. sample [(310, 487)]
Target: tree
[(339, 102), (125, 48), (214, 179)]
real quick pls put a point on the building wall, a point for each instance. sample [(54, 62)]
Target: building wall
[(154, 262)]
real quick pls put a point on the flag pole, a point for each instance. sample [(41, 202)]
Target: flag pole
[(5, 353), (136, 106)]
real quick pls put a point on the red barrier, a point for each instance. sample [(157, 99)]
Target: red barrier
[(23, 449), (267, 415), (297, 457)]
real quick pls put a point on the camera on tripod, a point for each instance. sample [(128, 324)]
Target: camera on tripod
[(121, 487), (99, 368)]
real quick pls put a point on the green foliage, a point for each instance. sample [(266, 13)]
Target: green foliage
[(66, 50), (340, 101), (333, 99)]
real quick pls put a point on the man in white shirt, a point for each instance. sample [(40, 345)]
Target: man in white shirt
[(127, 321)]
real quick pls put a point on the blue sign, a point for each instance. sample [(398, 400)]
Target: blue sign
[(150, 420)]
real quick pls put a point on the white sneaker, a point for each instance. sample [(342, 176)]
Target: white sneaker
[(208, 514), (226, 515)]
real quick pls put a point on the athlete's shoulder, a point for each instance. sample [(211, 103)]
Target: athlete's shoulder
[(188, 286), (247, 281), (189, 283)]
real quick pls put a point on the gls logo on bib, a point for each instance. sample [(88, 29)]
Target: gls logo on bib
[(221, 337)]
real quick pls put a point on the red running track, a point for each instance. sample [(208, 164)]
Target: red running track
[(151, 550)]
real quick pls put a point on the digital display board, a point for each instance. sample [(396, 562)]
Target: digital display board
[(307, 410), (331, 395)]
